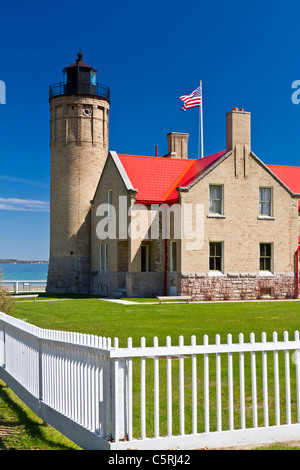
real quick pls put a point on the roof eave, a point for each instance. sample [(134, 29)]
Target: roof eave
[(296, 195), (122, 171)]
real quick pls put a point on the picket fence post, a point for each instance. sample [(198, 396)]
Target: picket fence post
[(121, 405), (2, 342)]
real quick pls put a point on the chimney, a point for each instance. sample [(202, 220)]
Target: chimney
[(238, 139), (177, 145)]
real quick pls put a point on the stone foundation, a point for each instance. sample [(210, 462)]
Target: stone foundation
[(237, 286), (68, 275), (133, 284)]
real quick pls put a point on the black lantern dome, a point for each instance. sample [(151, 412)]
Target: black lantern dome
[(80, 79)]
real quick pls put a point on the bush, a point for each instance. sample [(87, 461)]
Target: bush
[(7, 303)]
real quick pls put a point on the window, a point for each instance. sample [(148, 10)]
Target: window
[(103, 257), (265, 258), (265, 201), (144, 258), (173, 268), (93, 77), (215, 199), (215, 256), (109, 203), (100, 257)]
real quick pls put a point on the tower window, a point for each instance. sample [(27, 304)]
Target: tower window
[(93, 77)]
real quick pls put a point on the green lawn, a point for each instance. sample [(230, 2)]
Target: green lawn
[(91, 315)]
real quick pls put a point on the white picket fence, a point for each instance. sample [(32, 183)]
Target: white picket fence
[(19, 286), (192, 396)]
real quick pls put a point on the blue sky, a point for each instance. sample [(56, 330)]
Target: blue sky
[(246, 54)]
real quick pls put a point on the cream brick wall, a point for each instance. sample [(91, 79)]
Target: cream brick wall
[(144, 283), (111, 180), (241, 230), (79, 146)]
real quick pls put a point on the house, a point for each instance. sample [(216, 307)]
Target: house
[(225, 226), (220, 227)]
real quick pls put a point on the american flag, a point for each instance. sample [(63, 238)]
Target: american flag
[(193, 100)]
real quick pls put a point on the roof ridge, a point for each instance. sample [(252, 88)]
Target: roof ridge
[(153, 156)]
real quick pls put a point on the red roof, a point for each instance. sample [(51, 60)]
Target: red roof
[(289, 175), (156, 178)]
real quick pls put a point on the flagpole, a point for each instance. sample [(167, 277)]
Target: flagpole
[(201, 119)]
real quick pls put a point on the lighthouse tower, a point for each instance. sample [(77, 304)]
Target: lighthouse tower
[(79, 110)]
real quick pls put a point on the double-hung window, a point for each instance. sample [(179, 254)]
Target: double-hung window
[(216, 199), (215, 256), (265, 257), (265, 202)]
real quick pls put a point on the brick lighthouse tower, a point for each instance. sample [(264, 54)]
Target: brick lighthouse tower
[(79, 110)]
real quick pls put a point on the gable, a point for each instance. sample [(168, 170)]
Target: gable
[(113, 175)]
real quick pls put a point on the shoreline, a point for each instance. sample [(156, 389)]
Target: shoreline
[(15, 261)]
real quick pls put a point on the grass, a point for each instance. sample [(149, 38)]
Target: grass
[(21, 429), (94, 316)]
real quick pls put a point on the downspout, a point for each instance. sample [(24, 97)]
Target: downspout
[(166, 256)]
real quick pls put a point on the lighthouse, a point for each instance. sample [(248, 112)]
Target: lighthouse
[(79, 136)]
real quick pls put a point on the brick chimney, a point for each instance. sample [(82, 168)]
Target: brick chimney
[(177, 145), (238, 139)]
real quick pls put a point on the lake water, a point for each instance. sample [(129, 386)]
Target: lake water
[(24, 272)]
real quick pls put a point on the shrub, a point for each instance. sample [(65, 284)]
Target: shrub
[(7, 303)]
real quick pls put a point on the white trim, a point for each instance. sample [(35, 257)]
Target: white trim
[(121, 170)]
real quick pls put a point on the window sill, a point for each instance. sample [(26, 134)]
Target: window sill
[(265, 217), (216, 273), (216, 216), (265, 273)]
